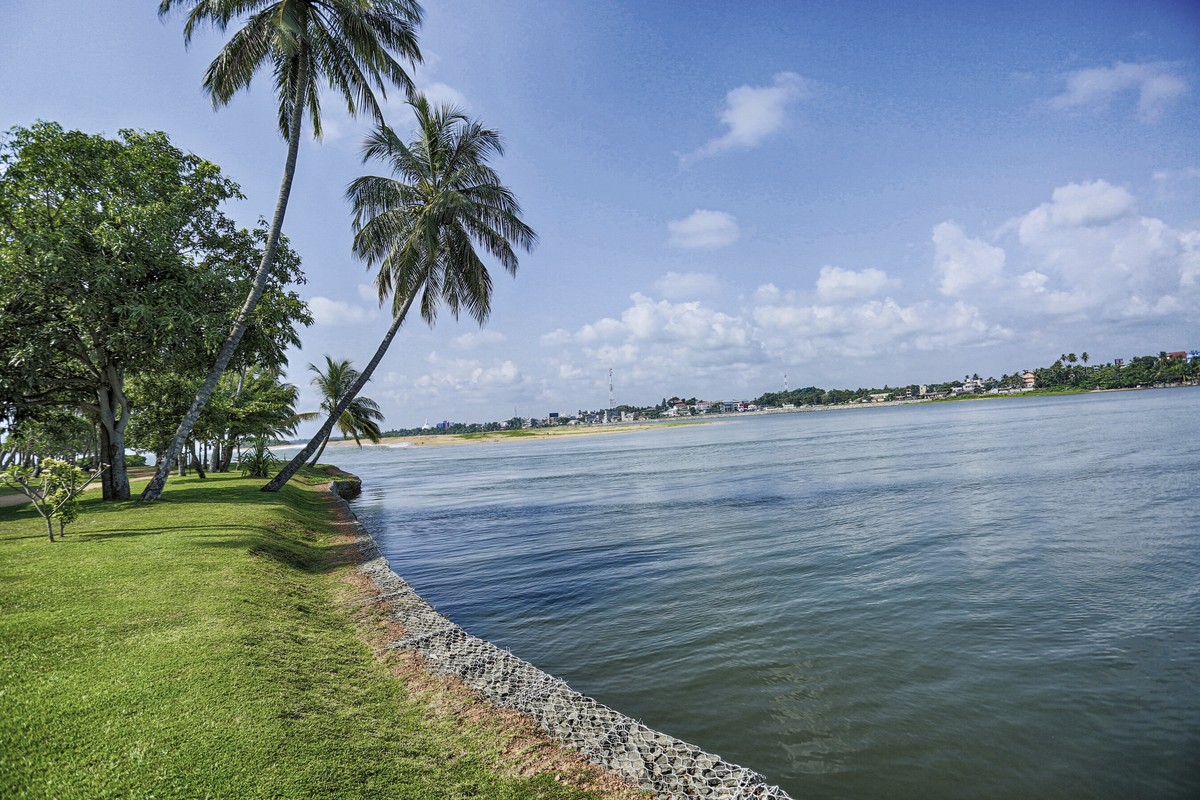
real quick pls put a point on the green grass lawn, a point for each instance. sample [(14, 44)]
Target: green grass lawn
[(213, 645)]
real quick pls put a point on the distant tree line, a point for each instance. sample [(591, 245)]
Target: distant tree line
[(1071, 372)]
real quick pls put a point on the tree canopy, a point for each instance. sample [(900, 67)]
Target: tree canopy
[(116, 259)]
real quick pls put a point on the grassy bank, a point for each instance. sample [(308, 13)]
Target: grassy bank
[(217, 644)]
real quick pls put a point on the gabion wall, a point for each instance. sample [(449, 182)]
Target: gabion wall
[(669, 767)]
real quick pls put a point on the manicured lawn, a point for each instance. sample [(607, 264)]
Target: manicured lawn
[(212, 645)]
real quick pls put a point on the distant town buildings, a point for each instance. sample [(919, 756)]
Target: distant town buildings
[(1163, 369)]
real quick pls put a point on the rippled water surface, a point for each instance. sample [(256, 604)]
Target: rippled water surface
[(996, 599)]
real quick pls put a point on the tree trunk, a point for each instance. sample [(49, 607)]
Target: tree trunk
[(297, 462), (227, 450), (106, 480), (197, 463), (114, 418), (317, 457), (154, 489)]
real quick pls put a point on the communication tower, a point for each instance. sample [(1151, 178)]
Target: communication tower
[(611, 405)]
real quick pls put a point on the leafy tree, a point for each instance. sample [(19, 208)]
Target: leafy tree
[(421, 227), (115, 259), (344, 42), (47, 431), (360, 418), (52, 489), (252, 402)]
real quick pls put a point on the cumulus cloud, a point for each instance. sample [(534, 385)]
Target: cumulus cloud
[(789, 326), (752, 113), (703, 229), (660, 343), (337, 312), (1086, 254), (1157, 85), (836, 284), (656, 340), (1077, 205), (963, 262)]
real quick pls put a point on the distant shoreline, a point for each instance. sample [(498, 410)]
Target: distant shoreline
[(523, 434), (541, 434)]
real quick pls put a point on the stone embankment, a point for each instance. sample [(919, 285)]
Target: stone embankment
[(669, 767)]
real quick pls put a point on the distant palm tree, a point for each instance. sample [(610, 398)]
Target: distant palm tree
[(346, 43), (421, 227), (361, 417)]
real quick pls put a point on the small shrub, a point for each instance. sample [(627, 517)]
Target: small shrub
[(258, 461)]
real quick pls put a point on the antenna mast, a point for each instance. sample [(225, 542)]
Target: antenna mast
[(611, 404)]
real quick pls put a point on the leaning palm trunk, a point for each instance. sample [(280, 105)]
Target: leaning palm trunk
[(321, 450), (163, 470), (323, 435)]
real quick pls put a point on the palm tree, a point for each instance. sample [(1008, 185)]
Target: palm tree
[(361, 417), (421, 228), (348, 43)]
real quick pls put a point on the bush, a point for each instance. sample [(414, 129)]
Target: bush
[(258, 461)]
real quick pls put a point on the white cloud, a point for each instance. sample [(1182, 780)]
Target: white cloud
[(440, 93), (791, 328), (752, 113), (963, 262), (475, 339), (396, 110), (703, 229), (836, 284), (1157, 85), (1086, 256), (657, 341), (337, 312), (368, 293), (454, 380), (1077, 205), (684, 285)]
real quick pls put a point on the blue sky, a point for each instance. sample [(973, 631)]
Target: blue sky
[(850, 194)]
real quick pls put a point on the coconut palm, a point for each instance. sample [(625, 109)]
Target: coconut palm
[(348, 44), (421, 227), (361, 417)]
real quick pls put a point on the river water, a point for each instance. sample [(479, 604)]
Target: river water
[(996, 599)]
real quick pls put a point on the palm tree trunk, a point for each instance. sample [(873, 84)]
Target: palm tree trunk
[(297, 462), (317, 457), (154, 489)]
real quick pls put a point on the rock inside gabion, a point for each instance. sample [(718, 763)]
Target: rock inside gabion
[(669, 767)]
